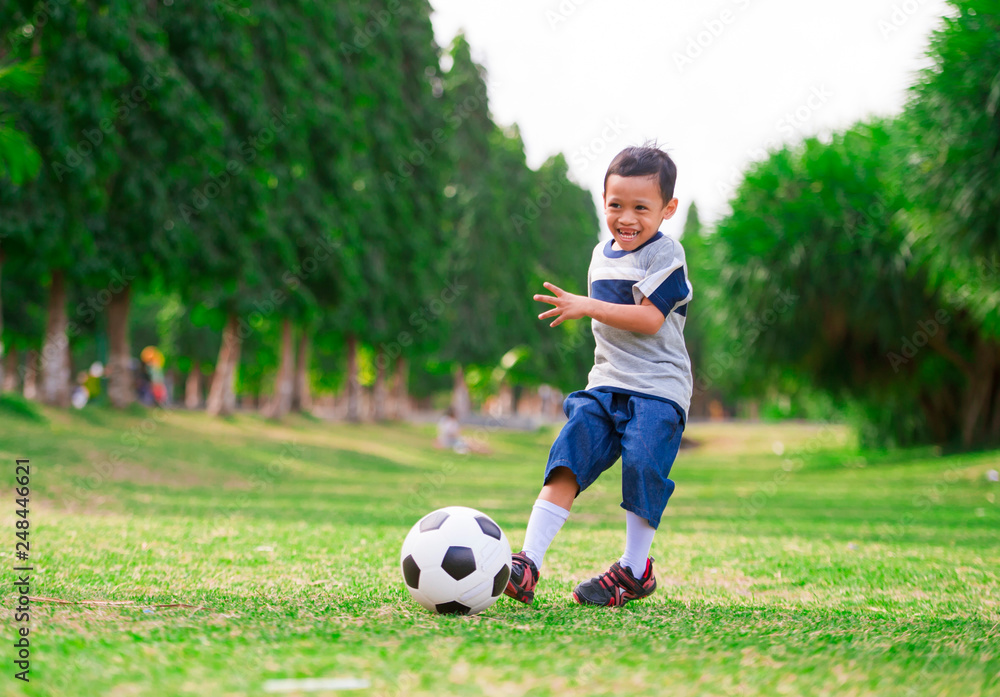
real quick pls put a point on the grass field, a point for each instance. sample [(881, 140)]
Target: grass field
[(229, 553)]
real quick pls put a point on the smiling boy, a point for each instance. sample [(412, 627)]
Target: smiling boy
[(638, 392)]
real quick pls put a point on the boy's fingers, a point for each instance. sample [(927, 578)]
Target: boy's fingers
[(547, 299), (549, 313), (554, 288)]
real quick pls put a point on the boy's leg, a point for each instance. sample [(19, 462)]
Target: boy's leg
[(649, 446), (561, 488), (586, 446), (549, 513), (638, 541)]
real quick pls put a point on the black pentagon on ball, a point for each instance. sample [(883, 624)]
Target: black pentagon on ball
[(488, 527), (500, 580), (411, 572), (452, 608), (432, 521), (459, 562)]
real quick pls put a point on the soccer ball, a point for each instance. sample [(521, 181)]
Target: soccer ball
[(455, 560)]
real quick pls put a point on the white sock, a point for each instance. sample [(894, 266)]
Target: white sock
[(638, 539), (545, 521)]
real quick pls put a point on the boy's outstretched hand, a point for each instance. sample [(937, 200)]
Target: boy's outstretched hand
[(644, 318), (567, 305)]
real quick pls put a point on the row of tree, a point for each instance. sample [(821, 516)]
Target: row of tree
[(867, 265), (318, 196), (278, 189)]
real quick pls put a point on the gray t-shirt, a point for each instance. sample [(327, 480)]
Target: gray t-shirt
[(654, 365)]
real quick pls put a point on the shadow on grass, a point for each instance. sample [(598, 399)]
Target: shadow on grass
[(17, 407)]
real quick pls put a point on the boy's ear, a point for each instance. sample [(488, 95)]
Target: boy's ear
[(670, 209)]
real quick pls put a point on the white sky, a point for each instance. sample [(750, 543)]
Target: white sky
[(589, 77)]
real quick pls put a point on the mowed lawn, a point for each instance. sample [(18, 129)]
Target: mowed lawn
[(226, 553)]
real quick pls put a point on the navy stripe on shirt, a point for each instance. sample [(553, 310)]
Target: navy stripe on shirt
[(617, 291), (670, 292)]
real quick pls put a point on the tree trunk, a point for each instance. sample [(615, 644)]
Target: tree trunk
[(221, 395), (10, 371), (460, 400), (30, 379), (285, 380), (975, 413), (505, 400), (380, 392), (993, 437), (55, 377), (121, 388), (170, 386), (353, 383), (400, 393), (192, 387), (229, 395), (68, 366), (301, 394)]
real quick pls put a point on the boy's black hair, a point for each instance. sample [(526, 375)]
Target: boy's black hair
[(645, 160)]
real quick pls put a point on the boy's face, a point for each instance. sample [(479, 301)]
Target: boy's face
[(634, 209)]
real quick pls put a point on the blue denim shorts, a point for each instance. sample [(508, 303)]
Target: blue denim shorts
[(643, 431)]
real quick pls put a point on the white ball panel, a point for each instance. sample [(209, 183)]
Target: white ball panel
[(493, 555), (477, 592), (429, 548), (463, 531), (421, 598), (437, 586)]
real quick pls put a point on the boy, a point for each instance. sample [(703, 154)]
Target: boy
[(639, 390)]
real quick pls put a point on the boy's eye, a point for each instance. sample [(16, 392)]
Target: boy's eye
[(641, 208)]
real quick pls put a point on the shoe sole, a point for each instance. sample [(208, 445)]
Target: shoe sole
[(527, 600)]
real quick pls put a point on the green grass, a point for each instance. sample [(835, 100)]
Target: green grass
[(822, 571)]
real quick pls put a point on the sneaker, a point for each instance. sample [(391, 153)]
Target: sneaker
[(523, 577), (616, 586)]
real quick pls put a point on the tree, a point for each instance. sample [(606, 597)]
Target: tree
[(50, 241), (19, 160), (705, 339), (234, 251), (561, 215), (955, 182), (823, 286)]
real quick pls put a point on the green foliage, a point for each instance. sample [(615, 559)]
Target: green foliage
[(509, 229), (825, 289), (19, 160), (954, 172), (859, 273), (268, 161), (955, 110), (703, 333)]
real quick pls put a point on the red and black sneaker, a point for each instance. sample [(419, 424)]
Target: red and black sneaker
[(616, 586), (523, 577)]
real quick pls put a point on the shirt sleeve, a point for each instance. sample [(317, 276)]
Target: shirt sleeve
[(666, 281)]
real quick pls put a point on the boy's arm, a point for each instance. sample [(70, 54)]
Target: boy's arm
[(644, 318)]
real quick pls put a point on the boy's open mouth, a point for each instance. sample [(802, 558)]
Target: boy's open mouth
[(627, 235)]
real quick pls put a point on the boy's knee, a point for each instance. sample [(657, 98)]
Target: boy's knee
[(563, 478)]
